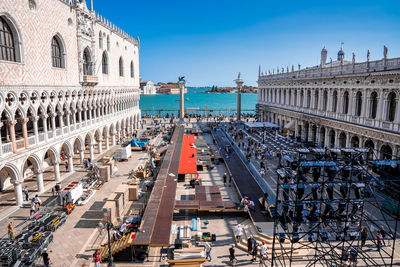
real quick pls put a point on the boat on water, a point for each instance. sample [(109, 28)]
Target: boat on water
[(186, 99)]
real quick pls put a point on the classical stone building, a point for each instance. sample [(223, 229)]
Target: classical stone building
[(69, 85), (337, 104)]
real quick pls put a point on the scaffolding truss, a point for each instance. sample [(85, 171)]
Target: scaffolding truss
[(331, 204)]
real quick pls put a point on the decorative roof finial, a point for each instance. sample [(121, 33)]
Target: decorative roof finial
[(368, 54), (385, 51)]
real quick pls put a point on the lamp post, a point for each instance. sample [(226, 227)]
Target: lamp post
[(108, 226)]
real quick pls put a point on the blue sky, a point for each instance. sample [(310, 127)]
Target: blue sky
[(210, 41)]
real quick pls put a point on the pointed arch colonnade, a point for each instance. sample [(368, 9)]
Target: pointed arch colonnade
[(42, 129)]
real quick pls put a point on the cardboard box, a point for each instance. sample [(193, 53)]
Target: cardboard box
[(105, 174), (123, 189), (133, 193)]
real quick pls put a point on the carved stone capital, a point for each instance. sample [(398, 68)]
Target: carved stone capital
[(11, 122)]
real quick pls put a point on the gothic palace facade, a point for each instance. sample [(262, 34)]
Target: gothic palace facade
[(69, 88), (340, 103)]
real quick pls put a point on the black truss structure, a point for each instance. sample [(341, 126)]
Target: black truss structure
[(331, 204)]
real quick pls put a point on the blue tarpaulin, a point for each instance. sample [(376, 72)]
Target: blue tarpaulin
[(135, 143)]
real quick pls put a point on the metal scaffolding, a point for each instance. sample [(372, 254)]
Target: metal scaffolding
[(330, 206)]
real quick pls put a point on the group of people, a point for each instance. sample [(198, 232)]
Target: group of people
[(35, 201), (247, 204), (253, 247)]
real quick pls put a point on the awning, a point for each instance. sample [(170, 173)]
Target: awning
[(291, 126)]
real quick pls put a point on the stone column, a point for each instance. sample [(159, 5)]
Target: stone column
[(39, 178), (53, 123), (11, 126), (380, 111), (1, 143), (57, 171), (113, 138), (339, 109), (81, 156), (18, 193), (44, 119), (61, 120), (352, 100), (328, 107), (377, 153), (91, 149), (85, 115), (336, 139), (24, 131), (79, 116), (368, 107), (347, 140), (395, 152), (100, 144), (296, 129), (397, 118), (318, 137), (239, 83), (361, 144), (310, 137), (364, 105), (327, 141), (70, 163), (67, 114), (74, 119), (35, 128), (107, 142)]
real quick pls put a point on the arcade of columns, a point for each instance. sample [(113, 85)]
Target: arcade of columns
[(36, 137), (345, 112)]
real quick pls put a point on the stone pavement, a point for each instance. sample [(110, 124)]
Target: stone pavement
[(73, 242), (19, 214)]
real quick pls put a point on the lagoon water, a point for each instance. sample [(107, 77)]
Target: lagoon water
[(197, 100)]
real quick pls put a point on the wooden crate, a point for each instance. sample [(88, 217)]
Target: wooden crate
[(133, 193)]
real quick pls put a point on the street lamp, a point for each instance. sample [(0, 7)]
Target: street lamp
[(108, 226)]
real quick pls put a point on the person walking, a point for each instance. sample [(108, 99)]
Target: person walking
[(11, 233), (66, 165), (353, 257), (364, 236), (33, 208), (383, 233), (379, 241), (238, 233), (255, 250), (224, 179), (263, 252), (26, 193), (249, 245), (57, 188), (96, 258), (46, 259), (232, 256), (208, 251)]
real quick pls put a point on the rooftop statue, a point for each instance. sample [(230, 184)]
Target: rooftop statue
[(385, 51), (368, 53), (354, 58)]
